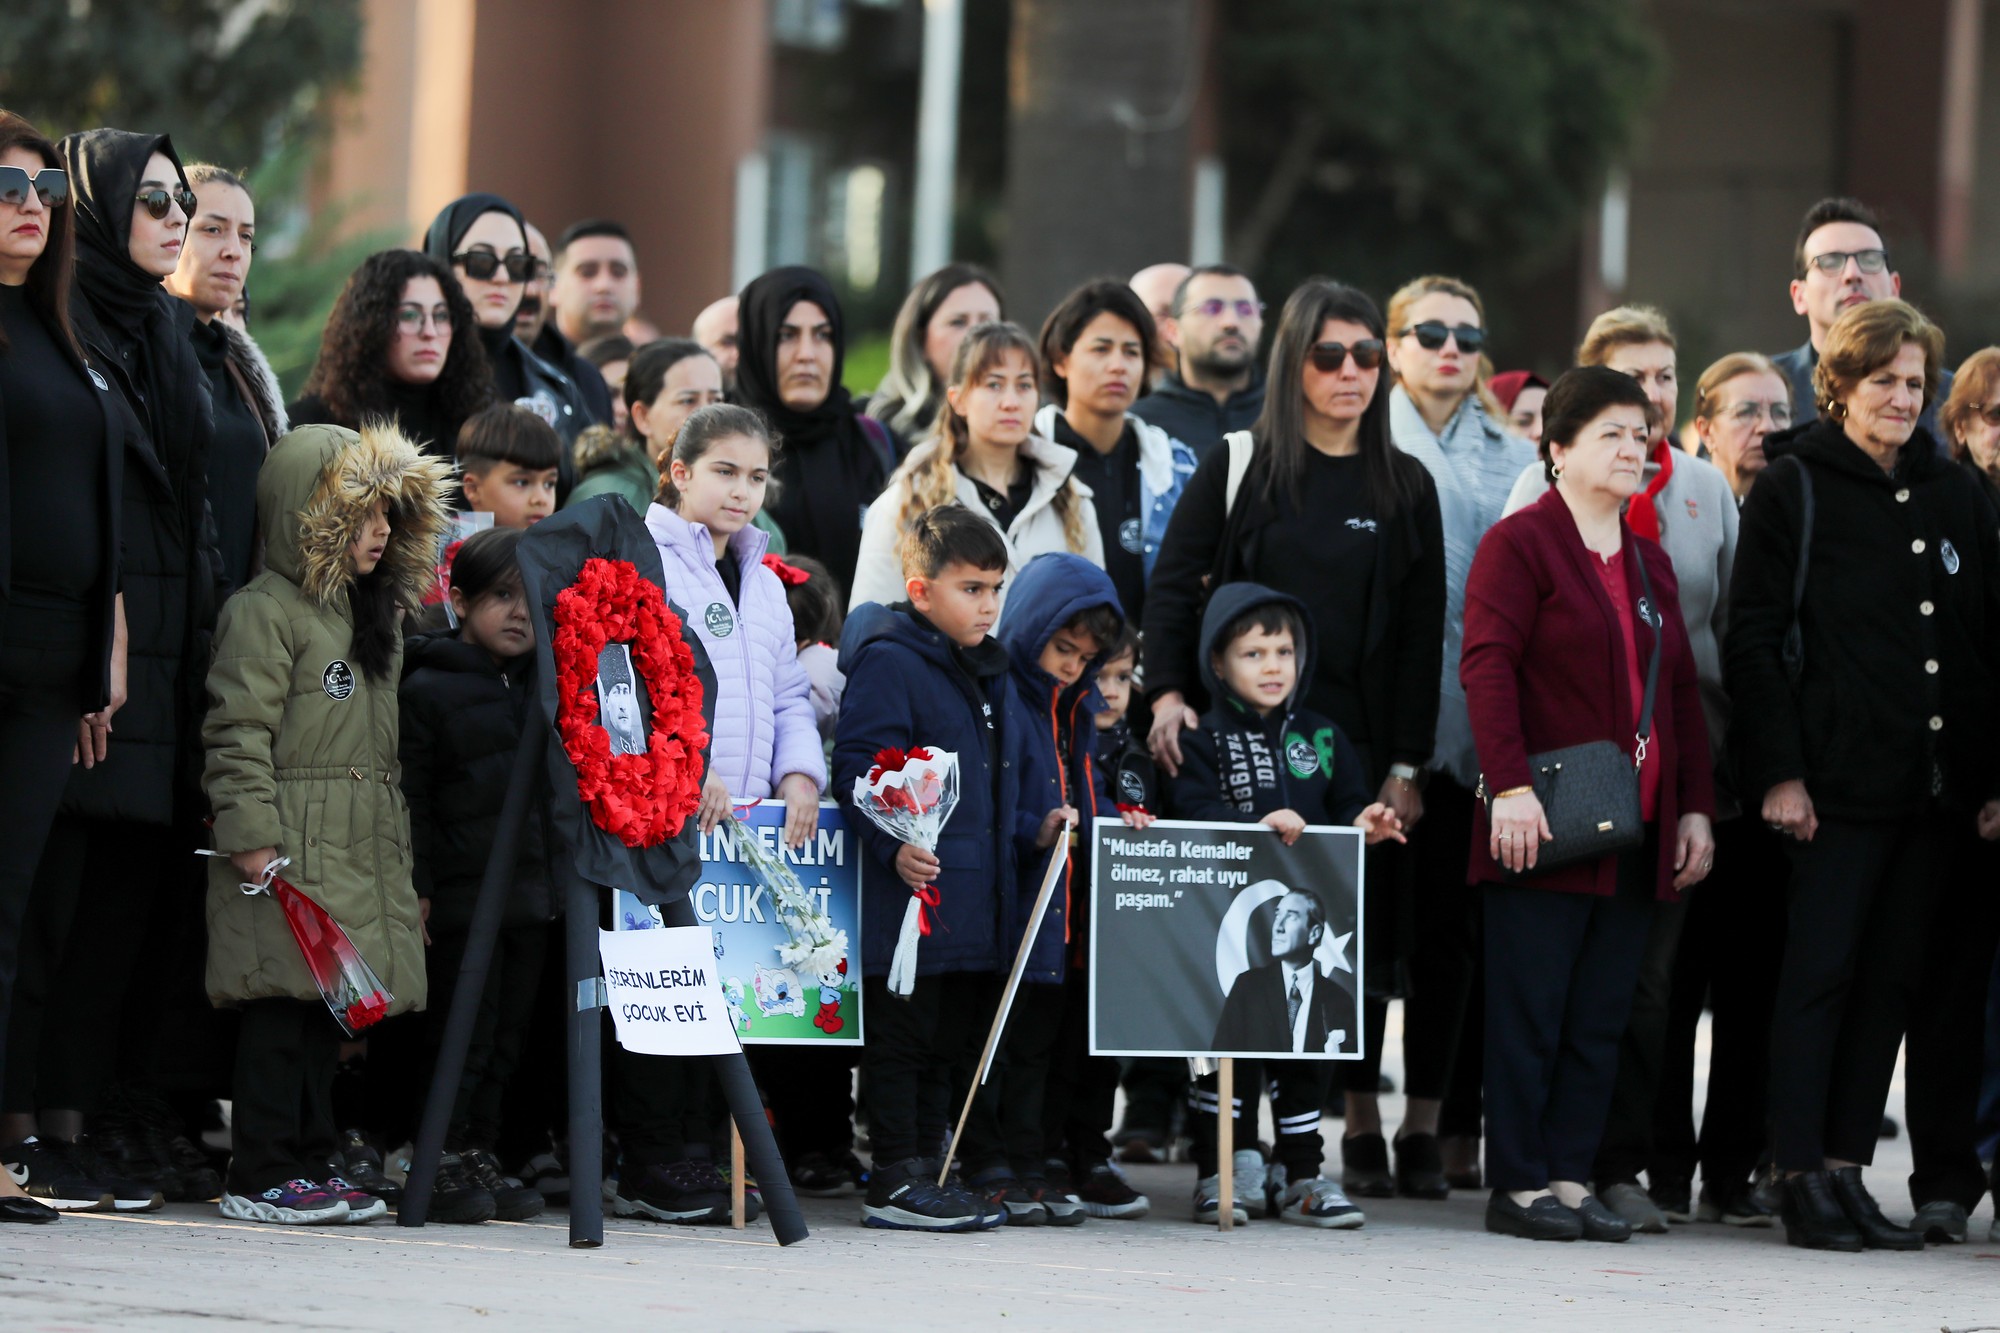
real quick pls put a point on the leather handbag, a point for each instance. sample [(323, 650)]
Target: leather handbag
[(1590, 792)]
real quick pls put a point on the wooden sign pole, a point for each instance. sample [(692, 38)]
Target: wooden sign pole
[(1225, 1142), (736, 1187)]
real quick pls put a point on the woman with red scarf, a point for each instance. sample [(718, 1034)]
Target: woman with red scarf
[(1685, 504)]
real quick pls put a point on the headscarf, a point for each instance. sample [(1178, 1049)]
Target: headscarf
[(1507, 385), (447, 229), (827, 467), (105, 168)]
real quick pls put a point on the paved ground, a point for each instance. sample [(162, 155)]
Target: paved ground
[(1415, 1265)]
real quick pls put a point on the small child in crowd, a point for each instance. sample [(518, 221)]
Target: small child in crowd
[(926, 672), (509, 461), (301, 736), (765, 744), (1051, 1101), (1130, 775), (467, 695), (1260, 757), (817, 600)]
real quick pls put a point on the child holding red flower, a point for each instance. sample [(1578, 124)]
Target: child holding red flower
[(301, 737)]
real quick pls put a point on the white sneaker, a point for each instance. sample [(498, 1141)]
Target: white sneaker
[(1250, 1171), (1319, 1202), (1208, 1203)]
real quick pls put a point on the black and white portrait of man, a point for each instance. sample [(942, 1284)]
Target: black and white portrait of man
[(1289, 1004), (618, 703)]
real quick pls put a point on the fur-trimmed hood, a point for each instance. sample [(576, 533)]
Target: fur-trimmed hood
[(317, 486), (600, 446), (248, 359)]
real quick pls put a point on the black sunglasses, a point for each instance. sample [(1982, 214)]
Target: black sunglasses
[(483, 264), (50, 183), (1431, 335), (1329, 357), (159, 201)]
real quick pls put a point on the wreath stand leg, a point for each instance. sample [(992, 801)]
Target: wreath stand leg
[(746, 1108), (481, 937), (586, 1060)]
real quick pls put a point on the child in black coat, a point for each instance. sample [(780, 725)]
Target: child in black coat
[(1261, 757)]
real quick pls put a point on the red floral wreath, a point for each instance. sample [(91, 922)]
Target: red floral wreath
[(640, 799)]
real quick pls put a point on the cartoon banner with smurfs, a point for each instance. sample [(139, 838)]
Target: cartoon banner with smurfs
[(784, 987)]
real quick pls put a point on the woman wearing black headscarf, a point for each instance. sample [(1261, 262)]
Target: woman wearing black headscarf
[(124, 835), (59, 485), (834, 460), (485, 240)]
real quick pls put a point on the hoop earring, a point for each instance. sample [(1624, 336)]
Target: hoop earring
[(1555, 474)]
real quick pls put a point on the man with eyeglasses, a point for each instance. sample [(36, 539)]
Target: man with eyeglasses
[(1838, 262), (1214, 321)]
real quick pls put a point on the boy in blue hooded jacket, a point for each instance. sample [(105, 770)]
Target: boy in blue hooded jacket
[(926, 673)]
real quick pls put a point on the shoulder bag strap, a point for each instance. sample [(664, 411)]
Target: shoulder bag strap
[(1242, 448), (1657, 622)]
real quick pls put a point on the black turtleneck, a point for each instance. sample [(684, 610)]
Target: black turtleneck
[(55, 461), (510, 376)]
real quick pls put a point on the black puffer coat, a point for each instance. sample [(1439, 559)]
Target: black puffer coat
[(1899, 699), (462, 720)]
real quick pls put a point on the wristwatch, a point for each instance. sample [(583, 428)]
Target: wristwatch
[(1406, 773)]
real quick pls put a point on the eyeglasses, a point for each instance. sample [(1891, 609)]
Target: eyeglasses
[(1990, 414), (1746, 412), (1431, 335), (1215, 306), (410, 319), (481, 265), (50, 183), (1868, 261), (1329, 357), (159, 201)]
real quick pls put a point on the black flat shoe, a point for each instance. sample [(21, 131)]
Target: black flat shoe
[(1600, 1223), (1877, 1231), (1544, 1219), (1420, 1168), (13, 1208), (1813, 1218), (1364, 1167)]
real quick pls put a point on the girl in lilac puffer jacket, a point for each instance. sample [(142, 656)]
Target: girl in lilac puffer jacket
[(766, 740)]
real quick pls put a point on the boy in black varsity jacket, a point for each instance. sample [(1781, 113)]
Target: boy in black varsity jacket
[(1260, 757)]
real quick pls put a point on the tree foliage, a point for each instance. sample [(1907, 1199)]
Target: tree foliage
[(1377, 139)]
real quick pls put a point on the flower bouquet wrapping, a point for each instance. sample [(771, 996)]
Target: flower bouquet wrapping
[(909, 795), (352, 991), (814, 945)]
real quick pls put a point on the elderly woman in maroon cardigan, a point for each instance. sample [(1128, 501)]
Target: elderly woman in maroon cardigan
[(1557, 637)]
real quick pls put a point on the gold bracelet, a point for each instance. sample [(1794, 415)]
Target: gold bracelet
[(1513, 791)]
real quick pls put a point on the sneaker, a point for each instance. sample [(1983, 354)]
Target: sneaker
[(1252, 1178), (1062, 1205), (905, 1196), (818, 1175), (1742, 1207), (753, 1197), (684, 1191), (127, 1195), (357, 1162), (1674, 1196), (548, 1175), (51, 1176), (1106, 1193), (992, 1212), (295, 1203), (1318, 1202), (1003, 1187), (361, 1205), (1634, 1205), (1941, 1221), (1364, 1167), (456, 1199), (512, 1202), (133, 1138), (1208, 1203)]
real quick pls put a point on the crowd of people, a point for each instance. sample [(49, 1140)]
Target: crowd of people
[(1124, 566)]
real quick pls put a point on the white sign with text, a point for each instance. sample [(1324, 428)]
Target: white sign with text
[(663, 992)]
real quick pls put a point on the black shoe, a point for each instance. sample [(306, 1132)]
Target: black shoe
[(821, 1176), (1420, 1168), (1877, 1231), (1740, 1207), (1890, 1129), (127, 1195), (357, 1162), (50, 1176), (16, 1209), (685, 1191), (905, 1196), (1814, 1219), (1599, 1222), (145, 1140), (1673, 1196), (1364, 1167), (455, 1199), (511, 1203), (1001, 1186), (1544, 1219), (1471, 1178)]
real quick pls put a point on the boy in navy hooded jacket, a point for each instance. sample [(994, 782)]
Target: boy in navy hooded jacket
[(1261, 757), (1051, 1102), (926, 672)]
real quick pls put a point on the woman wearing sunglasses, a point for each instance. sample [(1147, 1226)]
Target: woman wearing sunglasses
[(1315, 501), (485, 240), (399, 344), (63, 434)]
